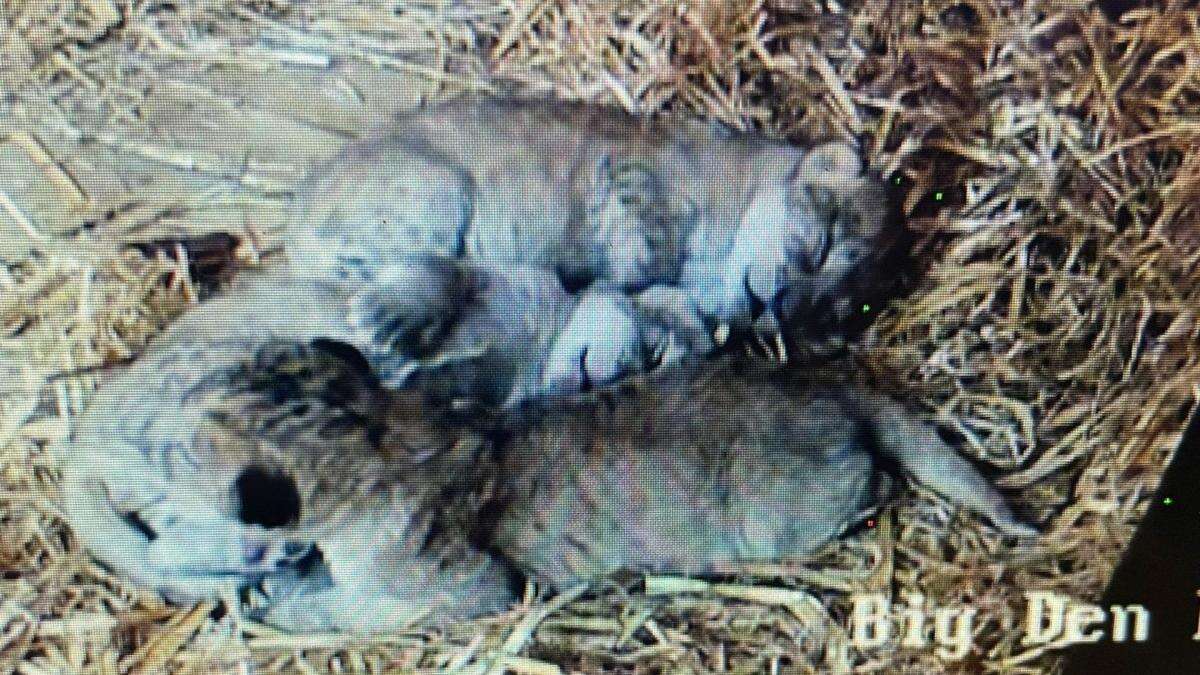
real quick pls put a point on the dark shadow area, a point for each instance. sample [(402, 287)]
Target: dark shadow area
[(1160, 571), (267, 499)]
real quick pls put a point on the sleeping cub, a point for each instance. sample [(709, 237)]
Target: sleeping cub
[(759, 234)]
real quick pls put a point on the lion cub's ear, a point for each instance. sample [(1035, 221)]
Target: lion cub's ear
[(829, 164), (349, 355)]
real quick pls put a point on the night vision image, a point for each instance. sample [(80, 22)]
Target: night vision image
[(599, 336)]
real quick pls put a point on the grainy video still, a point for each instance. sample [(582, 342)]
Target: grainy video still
[(557, 337)]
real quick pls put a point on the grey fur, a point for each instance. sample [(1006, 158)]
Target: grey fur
[(741, 223), (497, 333), (504, 333), (694, 469), (282, 416), (420, 511)]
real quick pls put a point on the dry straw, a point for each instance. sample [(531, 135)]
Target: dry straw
[(1050, 164)]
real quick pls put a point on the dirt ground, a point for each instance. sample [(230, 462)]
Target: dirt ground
[(1048, 151)]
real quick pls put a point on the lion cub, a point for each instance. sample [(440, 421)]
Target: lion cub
[(291, 468), (759, 234)]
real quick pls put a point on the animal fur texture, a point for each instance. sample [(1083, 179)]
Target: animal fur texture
[(504, 333), (280, 469), (291, 468), (761, 235), (496, 333)]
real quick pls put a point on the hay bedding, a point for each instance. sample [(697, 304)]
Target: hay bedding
[(1050, 166)]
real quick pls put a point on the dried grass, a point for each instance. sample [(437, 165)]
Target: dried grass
[(1051, 167)]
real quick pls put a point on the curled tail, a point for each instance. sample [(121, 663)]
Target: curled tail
[(919, 451)]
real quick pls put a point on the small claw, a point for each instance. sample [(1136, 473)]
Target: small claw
[(656, 354), (1015, 528), (763, 345), (396, 371), (721, 335), (585, 380), (769, 336)]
